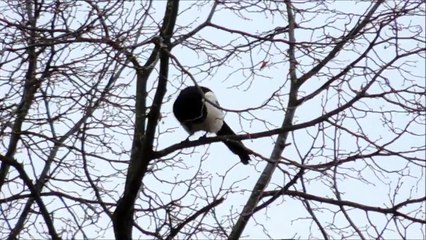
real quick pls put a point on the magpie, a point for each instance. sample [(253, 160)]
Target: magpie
[(196, 114)]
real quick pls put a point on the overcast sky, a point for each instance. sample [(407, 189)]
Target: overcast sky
[(241, 83)]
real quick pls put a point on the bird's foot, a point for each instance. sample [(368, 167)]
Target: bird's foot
[(186, 140), (204, 136)]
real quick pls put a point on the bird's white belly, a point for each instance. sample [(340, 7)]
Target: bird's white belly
[(214, 119)]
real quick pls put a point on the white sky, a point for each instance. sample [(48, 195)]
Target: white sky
[(279, 217)]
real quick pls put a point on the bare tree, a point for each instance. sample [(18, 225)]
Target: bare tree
[(329, 98)]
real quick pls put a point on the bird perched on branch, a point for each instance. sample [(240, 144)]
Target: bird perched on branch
[(196, 108)]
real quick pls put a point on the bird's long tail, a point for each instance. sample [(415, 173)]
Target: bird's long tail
[(235, 146)]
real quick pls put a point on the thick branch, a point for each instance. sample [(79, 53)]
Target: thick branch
[(144, 137), (31, 86), (266, 175)]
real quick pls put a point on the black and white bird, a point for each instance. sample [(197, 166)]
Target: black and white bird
[(196, 114)]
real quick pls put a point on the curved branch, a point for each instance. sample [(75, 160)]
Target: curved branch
[(393, 210), (345, 39), (205, 209), (34, 194)]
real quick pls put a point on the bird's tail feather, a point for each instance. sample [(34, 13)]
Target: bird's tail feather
[(235, 146)]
